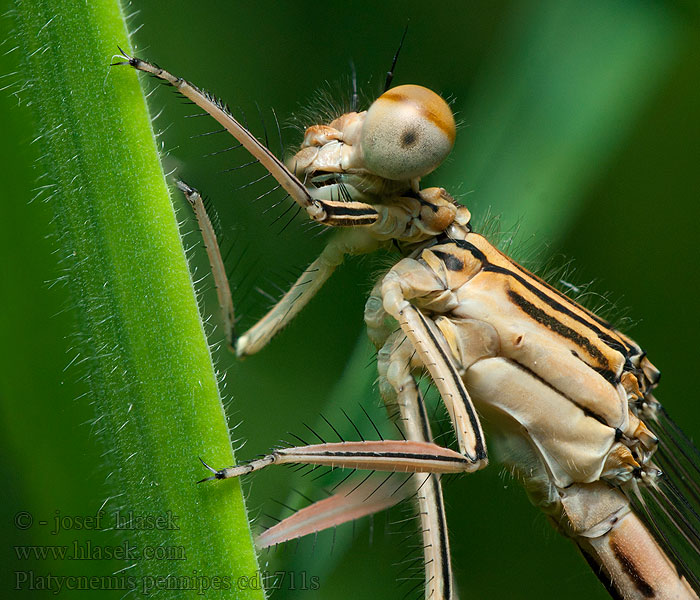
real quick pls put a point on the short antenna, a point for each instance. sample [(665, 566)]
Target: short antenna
[(390, 72)]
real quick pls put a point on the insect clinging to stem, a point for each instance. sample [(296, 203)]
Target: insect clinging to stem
[(569, 399)]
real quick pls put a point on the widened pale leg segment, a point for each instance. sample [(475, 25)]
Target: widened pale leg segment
[(349, 503), (399, 387), (369, 498)]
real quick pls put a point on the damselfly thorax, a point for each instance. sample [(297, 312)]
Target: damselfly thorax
[(567, 397)]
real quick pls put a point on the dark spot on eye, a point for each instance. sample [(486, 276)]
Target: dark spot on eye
[(409, 138)]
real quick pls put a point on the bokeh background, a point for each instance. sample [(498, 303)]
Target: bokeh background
[(580, 127)]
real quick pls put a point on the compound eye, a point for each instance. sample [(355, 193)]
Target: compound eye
[(408, 131)]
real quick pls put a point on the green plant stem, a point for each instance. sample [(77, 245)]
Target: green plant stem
[(152, 381)]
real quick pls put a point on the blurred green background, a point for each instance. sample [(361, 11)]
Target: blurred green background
[(580, 126)]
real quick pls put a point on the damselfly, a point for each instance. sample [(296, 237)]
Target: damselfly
[(568, 397)]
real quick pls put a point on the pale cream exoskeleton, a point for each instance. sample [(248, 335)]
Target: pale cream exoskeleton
[(568, 398)]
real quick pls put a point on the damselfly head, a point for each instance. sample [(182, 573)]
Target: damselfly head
[(404, 135)]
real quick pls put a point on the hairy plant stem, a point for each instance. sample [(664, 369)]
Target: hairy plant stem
[(152, 380)]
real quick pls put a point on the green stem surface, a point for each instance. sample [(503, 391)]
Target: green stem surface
[(151, 376)]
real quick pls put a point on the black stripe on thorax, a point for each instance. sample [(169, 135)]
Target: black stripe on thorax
[(451, 261), (564, 331), (557, 292), (619, 345), (546, 298)]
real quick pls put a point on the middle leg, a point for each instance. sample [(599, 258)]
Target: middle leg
[(399, 389), (297, 297)]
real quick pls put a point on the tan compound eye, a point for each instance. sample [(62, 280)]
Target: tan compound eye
[(408, 131)]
